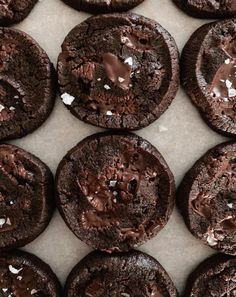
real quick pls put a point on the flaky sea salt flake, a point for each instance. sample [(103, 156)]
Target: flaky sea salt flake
[(232, 92), (228, 84), (67, 98), (107, 87), (14, 270), (121, 79), (211, 240), (2, 222), (129, 61), (2, 107)]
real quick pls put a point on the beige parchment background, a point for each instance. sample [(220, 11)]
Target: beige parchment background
[(185, 139)]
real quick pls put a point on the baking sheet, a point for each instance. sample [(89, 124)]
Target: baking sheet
[(180, 135)]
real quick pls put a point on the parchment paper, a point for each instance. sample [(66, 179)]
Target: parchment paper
[(186, 139)]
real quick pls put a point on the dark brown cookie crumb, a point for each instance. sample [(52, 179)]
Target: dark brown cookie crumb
[(115, 191), (207, 198), (118, 71)]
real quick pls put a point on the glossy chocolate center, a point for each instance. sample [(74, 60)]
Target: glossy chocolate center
[(113, 189), (114, 78)]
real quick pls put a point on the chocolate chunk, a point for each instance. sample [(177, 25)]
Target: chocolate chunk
[(26, 197), (115, 191), (24, 275), (27, 84), (208, 8), (213, 277), (95, 6), (208, 74), (132, 274), (118, 71), (207, 198), (14, 11)]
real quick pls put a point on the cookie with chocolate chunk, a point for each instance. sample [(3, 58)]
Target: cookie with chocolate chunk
[(208, 8), (207, 198), (24, 275), (208, 74), (27, 84), (26, 196), (14, 11), (118, 71), (213, 277), (94, 6), (114, 191), (132, 274)]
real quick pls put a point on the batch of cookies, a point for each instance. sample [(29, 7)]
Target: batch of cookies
[(114, 190)]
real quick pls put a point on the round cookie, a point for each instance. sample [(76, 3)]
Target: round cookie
[(114, 191), (208, 8), (27, 84), (132, 274), (14, 11), (208, 74), (24, 275), (118, 71), (207, 198), (213, 277), (100, 6), (26, 196)]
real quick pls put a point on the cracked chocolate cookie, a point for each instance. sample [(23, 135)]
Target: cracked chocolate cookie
[(114, 191), (118, 71), (132, 274), (26, 196), (213, 277), (24, 275), (208, 8), (27, 84), (14, 11), (207, 198), (99, 6), (208, 74)]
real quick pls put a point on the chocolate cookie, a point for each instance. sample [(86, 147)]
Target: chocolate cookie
[(208, 8), (132, 274), (208, 74), (207, 198), (27, 84), (213, 277), (115, 191), (24, 275), (95, 6), (118, 71), (14, 11), (26, 196)]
